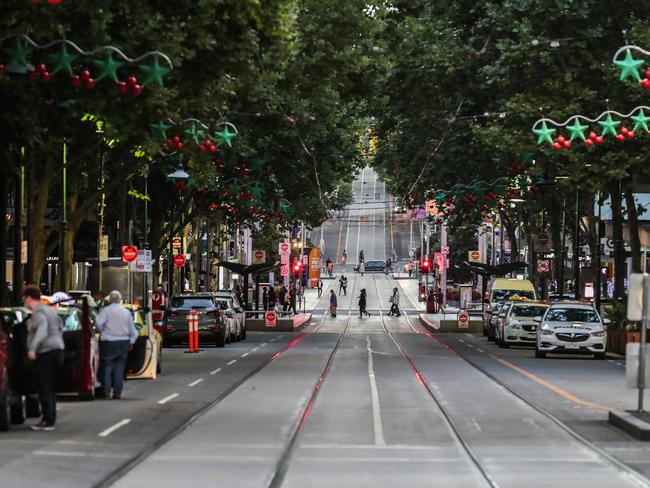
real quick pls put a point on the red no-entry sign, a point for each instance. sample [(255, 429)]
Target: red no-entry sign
[(463, 319), (270, 318), (129, 253), (179, 260)]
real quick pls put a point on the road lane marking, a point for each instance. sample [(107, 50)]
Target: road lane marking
[(245, 354), (470, 346), (254, 349), (272, 340), (114, 427), (374, 393), (556, 389), (215, 371), (195, 382), (264, 344), (460, 340), (231, 362), (479, 349), (162, 401)]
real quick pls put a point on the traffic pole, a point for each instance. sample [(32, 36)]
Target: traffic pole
[(190, 326), (196, 331)]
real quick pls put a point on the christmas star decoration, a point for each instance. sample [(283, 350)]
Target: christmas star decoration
[(257, 191), (63, 60), (108, 67), (154, 72), (160, 129), (18, 54), (284, 207), (577, 130), (641, 121), (195, 134), (609, 125), (629, 66), (544, 134), (225, 136)]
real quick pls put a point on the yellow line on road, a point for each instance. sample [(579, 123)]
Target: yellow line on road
[(556, 389)]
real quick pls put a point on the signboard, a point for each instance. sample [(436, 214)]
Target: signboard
[(543, 265), (440, 261), (103, 248), (463, 319), (270, 318), (542, 243), (474, 256), (143, 263), (179, 260), (445, 250), (259, 256), (284, 248), (23, 252), (284, 270), (129, 253), (177, 243), (284, 259)]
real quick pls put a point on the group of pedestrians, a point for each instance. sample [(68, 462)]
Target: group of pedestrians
[(46, 349), (282, 298)]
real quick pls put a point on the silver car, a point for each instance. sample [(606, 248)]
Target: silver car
[(234, 311), (518, 327)]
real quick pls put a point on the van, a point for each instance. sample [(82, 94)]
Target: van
[(503, 289)]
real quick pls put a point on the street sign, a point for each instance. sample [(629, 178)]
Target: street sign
[(543, 265), (440, 261), (445, 250), (177, 243), (259, 256), (103, 248), (143, 263), (283, 248), (474, 256), (284, 259), (179, 260), (23, 252), (129, 253), (463, 319), (542, 243), (284, 270), (270, 318)]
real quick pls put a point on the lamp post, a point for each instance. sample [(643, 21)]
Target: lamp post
[(177, 176)]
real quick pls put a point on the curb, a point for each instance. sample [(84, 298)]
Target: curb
[(636, 427)]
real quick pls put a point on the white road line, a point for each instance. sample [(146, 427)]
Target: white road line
[(374, 393), (245, 354), (114, 427), (460, 340), (215, 371), (468, 335), (231, 362), (272, 340), (254, 349), (264, 344), (479, 349), (162, 401), (195, 382), (469, 345), (620, 364)]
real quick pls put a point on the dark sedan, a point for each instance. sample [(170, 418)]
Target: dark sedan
[(211, 322), (375, 266)]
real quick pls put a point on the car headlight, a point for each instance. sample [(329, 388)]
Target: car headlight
[(546, 332), (598, 333)]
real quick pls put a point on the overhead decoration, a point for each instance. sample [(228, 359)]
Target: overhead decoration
[(632, 67), (193, 131), (22, 56), (609, 123)]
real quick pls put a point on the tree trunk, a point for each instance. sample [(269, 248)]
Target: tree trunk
[(37, 233), (619, 246), (633, 227)]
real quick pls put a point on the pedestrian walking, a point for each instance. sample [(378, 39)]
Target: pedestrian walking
[(282, 294), (272, 298), (363, 302), (265, 299), (362, 258), (330, 269), (341, 286), (394, 300), (333, 304), (115, 323), (409, 268), (320, 287), (345, 285), (362, 267), (344, 257), (292, 300), (439, 299), (45, 348)]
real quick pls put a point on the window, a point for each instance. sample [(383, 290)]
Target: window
[(502, 295), (572, 315), (528, 311), (189, 303), (71, 321), (223, 304)]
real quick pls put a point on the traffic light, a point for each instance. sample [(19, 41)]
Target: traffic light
[(297, 268), (425, 266)]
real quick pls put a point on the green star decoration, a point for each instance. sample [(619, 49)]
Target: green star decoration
[(257, 191), (160, 129), (577, 130), (154, 72), (108, 67), (284, 207), (629, 66), (544, 134), (18, 54), (641, 120), (63, 60), (195, 134), (225, 136), (609, 125)]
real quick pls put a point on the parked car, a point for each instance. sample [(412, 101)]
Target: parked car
[(518, 326), (571, 328), (6, 359), (499, 319), (233, 309), (145, 358), (213, 327), (490, 323), (374, 266)]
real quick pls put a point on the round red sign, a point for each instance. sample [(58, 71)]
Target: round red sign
[(179, 260), (476, 255), (543, 239), (129, 253), (463, 319), (270, 318)]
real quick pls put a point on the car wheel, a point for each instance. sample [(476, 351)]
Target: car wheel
[(5, 413), (243, 334), (540, 354), (600, 355), (17, 411), (32, 407), (221, 341)]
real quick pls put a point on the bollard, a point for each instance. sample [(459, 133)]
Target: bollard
[(193, 331), (196, 331)]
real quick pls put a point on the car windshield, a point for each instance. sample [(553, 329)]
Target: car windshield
[(189, 303), (502, 295), (528, 310), (571, 315)]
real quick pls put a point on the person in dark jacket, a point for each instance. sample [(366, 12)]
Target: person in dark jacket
[(45, 347), (265, 299), (333, 304), (320, 287), (363, 301), (272, 298)]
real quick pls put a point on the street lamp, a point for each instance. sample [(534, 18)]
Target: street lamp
[(178, 176)]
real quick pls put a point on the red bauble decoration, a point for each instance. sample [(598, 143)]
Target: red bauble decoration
[(567, 144), (136, 90), (201, 147), (122, 87), (2, 68), (561, 139), (76, 81), (599, 139), (85, 74), (132, 80), (557, 146), (41, 68), (589, 142), (54, 2), (212, 148), (180, 146), (90, 83), (620, 138), (214, 206), (624, 130), (645, 83), (45, 76), (31, 74), (593, 135), (630, 134), (176, 139)]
